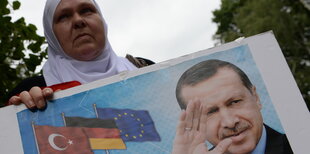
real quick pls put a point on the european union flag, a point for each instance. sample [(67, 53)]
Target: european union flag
[(134, 125)]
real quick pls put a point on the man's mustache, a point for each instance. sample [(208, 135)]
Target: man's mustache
[(236, 130)]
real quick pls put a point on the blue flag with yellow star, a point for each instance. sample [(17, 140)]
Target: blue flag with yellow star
[(134, 125)]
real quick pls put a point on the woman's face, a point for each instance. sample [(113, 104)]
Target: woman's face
[(79, 29)]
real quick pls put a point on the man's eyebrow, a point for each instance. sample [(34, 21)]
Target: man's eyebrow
[(237, 93), (234, 97)]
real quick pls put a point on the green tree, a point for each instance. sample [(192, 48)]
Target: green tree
[(20, 49), (288, 19)]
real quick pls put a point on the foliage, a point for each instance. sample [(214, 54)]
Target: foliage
[(288, 19), (20, 49)]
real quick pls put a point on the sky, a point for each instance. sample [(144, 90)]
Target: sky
[(158, 30)]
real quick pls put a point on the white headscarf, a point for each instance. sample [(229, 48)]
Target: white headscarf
[(61, 68)]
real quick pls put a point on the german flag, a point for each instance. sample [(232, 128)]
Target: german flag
[(102, 133)]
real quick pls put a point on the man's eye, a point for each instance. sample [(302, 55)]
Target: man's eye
[(234, 102), (211, 111)]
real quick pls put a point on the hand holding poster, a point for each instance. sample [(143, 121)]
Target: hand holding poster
[(147, 103)]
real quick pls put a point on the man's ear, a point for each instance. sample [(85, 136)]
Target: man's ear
[(256, 97)]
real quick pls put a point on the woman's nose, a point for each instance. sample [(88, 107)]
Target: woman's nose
[(79, 21)]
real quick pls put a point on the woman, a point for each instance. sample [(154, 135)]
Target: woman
[(78, 49)]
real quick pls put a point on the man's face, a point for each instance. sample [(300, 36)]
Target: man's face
[(232, 110), (79, 29)]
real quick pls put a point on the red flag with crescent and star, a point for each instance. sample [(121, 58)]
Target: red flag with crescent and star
[(62, 140)]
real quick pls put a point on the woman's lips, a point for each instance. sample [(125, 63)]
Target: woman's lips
[(79, 36), (82, 37)]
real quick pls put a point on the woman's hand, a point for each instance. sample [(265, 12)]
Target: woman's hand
[(34, 98), (191, 133)]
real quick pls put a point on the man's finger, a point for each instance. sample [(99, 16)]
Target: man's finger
[(222, 147), (203, 119), (190, 109), (182, 124), (197, 113), (201, 149)]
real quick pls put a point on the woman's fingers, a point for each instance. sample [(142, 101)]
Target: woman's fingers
[(37, 95), (35, 98), (48, 92), (15, 100), (27, 99)]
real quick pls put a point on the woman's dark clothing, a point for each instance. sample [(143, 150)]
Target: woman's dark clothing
[(39, 81)]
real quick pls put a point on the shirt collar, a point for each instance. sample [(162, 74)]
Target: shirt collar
[(260, 147)]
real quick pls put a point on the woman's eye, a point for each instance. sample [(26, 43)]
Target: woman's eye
[(86, 10), (62, 17)]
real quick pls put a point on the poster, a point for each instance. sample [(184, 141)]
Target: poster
[(144, 107)]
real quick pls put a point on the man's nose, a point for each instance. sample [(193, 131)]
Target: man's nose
[(228, 119), (78, 21)]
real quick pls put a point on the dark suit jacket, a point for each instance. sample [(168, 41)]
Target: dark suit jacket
[(276, 142)]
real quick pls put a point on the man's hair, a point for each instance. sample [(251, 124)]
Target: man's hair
[(203, 71)]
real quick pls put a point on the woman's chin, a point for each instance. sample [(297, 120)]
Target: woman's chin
[(87, 55)]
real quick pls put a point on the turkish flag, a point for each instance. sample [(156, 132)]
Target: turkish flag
[(62, 140)]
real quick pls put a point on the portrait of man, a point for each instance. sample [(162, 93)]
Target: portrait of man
[(222, 106)]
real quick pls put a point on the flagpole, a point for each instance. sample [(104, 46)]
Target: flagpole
[(35, 137), (95, 109), (63, 118)]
